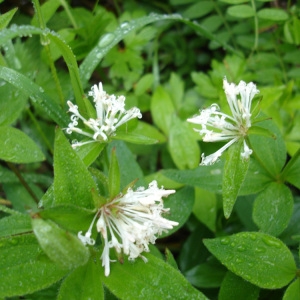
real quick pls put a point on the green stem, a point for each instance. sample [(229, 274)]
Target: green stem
[(255, 27), (289, 165), (40, 131), (23, 182), (69, 14)]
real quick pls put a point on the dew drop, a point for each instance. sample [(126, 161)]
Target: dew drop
[(271, 242), (232, 244), (41, 89), (13, 241), (238, 260), (241, 248), (224, 241), (253, 237), (260, 249), (106, 39), (124, 24)]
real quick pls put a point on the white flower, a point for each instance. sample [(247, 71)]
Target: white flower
[(217, 126), (110, 112), (130, 222)]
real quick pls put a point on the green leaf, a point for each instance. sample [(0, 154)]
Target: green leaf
[(235, 170), (205, 208), (90, 152), (113, 175), (62, 247), (198, 9), (293, 173), (162, 109), (128, 280), (181, 205), (129, 168), (17, 147), (176, 90), (273, 14), (209, 274), (273, 208), (83, 283), (183, 147), (20, 81), (234, 287), (293, 291), (24, 269), (6, 18), (272, 155), (235, 1), (134, 138), (206, 177), (15, 224), (109, 40), (257, 257), (73, 183), (69, 217), (242, 11)]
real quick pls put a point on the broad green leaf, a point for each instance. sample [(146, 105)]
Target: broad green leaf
[(162, 109), (206, 177), (61, 246), (234, 1), (73, 183), (257, 257), (241, 11), (183, 148), (205, 86), (17, 147), (292, 174), (36, 93), (235, 287), (181, 205), (209, 274), (273, 14), (176, 90), (15, 224), (69, 217), (198, 9), (24, 269), (273, 208), (6, 18), (127, 281), (257, 179), (293, 229), (235, 170), (205, 208), (293, 291), (83, 283), (272, 155), (113, 175)]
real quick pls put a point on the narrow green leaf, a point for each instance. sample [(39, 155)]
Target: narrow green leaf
[(162, 109), (273, 208), (83, 283), (293, 291), (20, 81), (62, 247), (128, 280), (235, 170), (90, 152), (273, 14), (132, 137), (235, 287), (183, 148), (17, 147), (15, 224), (241, 11), (257, 257), (6, 18), (293, 172), (170, 259), (24, 269), (109, 40), (113, 175), (72, 181)]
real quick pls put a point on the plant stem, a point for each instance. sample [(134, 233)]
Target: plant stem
[(23, 182)]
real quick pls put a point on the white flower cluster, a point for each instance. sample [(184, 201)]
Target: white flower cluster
[(218, 126), (130, 222), (110, 112)]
